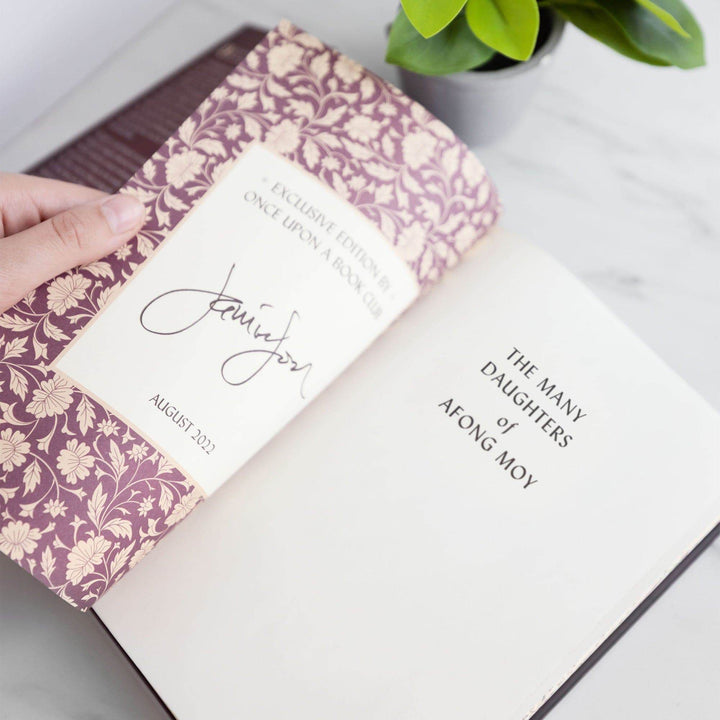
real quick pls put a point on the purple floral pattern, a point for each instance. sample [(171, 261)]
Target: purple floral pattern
[(83, 497)]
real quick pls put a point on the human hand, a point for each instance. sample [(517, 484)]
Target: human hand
[(48, 227)]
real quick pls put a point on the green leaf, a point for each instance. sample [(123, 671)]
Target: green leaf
[(454, 49), (509, 26), (665, 16), (653, 37), (632, 30), (599, 24), (431, 16)]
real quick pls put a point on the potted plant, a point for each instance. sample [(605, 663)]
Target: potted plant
[(475, 63)]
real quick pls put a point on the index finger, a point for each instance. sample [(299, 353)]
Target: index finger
[(26, 200)]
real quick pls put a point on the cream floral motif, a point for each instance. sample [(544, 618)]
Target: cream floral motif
[(88, 497), (55, 508), (362, 128), (412, 241), (13, 449), (283, 59), (75, 461), (348, 70), (52, 397), (418, 148), (83, 558), (66, 292), (138, 451), (145, 506), (330, 163), (18, 538), (219, 93), (123, 252), (183, 167), (284, 137), (108, 428)]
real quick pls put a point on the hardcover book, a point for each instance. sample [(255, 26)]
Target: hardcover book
[(450, 518)]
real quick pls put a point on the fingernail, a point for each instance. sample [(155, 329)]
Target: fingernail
[(122, 212)]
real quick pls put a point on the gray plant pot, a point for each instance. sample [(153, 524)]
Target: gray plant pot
[(483, 105)]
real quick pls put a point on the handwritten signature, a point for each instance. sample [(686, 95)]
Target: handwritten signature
[(243, 366)]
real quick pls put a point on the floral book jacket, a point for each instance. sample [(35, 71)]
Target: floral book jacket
[(83, 496)]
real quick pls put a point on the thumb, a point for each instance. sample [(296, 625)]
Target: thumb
[(74, 237)]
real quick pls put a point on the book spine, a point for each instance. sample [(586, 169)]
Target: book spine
[(107, 155)]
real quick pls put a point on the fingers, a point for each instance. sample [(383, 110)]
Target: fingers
[(74, 237), (28, 200)]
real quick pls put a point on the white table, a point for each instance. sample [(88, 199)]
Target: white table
[(616, 171)]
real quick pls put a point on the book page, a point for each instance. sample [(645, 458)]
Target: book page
[(267, 290), (449, 530)]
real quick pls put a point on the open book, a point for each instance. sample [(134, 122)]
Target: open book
[(452, 528)]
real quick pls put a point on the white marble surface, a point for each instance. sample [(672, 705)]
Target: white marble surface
[(616, 171), (76, 35)]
